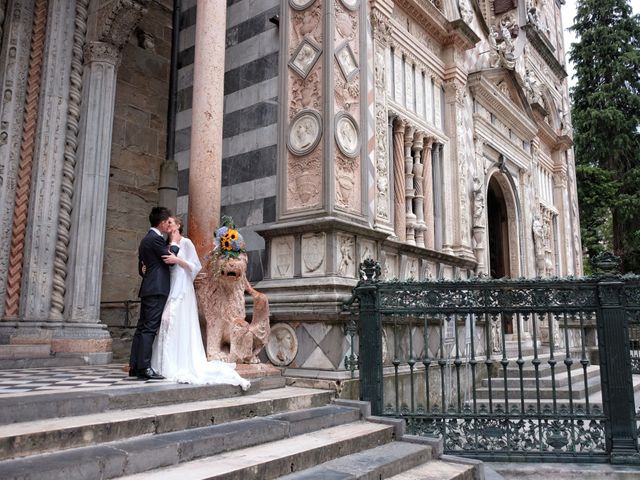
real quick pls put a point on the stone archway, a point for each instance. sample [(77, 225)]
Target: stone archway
[(498, 231)]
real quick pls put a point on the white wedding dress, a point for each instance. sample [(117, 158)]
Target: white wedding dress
[(178, 352)]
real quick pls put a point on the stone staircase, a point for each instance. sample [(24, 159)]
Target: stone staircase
[(169, 431), (540, 385)]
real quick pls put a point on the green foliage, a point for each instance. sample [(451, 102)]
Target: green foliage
[(606, 120)]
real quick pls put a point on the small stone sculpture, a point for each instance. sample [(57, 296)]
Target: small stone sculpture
[(220, 289)]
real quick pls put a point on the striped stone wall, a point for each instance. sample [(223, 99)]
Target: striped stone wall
[(250, 118)]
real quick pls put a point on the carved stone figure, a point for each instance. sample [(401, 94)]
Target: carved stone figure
[(539, 245), (478, 202), (533, 88), (282, 347), (220, 289)]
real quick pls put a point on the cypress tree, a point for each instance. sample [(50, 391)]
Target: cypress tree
[(606, 121)]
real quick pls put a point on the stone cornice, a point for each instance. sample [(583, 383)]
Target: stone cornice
[(430, 64), (545, 49), (461, 35), (487, 93), (549, 136)]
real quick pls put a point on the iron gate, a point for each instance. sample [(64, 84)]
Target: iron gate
[(503, 369)]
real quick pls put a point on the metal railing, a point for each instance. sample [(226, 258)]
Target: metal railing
[(536, 369)]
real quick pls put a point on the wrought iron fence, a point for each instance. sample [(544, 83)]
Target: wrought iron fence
[(503, 369)]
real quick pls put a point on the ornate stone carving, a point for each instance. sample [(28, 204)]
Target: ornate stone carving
[(380, 26), (25, 168), (68, 169), (502, 48), (533, 89), (346, 23), (345, 181), (282, 257), (220, 291), (313, 254), (346, 255), (305, 57), (282, 346), (466, 11), (305, 132), (347, 94), (347, 134), (305, 93), (307, 24), (101, 52), (538, 244), (123, 18), (305, 175)]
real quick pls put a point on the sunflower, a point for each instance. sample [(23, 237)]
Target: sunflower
[(226, 244), (232, 234)]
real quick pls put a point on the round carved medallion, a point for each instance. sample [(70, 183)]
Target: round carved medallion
[(304, 132), (347, 134), (301, 4), (350, 4), (282, 346)]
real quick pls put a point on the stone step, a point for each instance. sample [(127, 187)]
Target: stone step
[(25, 408), (438, 470), (139, 454), (22, 351), (41, 362), (531, 393), (560, 379), (279, 458), (379, 462), (39, 436)]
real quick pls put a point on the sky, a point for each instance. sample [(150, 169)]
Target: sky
[(568, 13)]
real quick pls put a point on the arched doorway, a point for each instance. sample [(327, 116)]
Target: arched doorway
[(498, 226)]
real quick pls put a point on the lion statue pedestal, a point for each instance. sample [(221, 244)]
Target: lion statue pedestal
[(220, 290)]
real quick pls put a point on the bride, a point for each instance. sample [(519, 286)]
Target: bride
[(178, 352)]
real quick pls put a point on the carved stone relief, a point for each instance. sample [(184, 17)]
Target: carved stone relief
[(305, 57), (282, 257), (305, 93), (347, 189), (305, 132), (412, 270), (305, 180), (350, 4), (346, 256), (313, 254), (346, 23), (300, 4), (347, 61), (390, 268), (347, 134), (466, 11), (282, 346)]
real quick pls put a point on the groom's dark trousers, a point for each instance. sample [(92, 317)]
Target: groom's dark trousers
[(153, 296)]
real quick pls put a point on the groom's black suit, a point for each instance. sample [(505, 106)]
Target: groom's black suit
[(154, 291)]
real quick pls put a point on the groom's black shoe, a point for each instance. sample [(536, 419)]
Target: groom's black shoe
[(149, 374), (133, 372)]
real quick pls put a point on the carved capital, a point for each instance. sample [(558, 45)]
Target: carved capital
[(101, 52), (124, 17), (399, 125), (381, 26)]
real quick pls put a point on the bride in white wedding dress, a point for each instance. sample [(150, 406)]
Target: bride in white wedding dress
[(178, 352)]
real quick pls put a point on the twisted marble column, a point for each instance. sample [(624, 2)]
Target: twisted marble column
[(418, 180), (427, 182), (409, 191), (400, 221)]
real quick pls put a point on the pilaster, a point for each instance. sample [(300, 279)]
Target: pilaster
[(48, 161), (14, 61), (429, 221), (400, 221)]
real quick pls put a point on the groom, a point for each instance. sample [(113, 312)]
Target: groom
[(154, 291)]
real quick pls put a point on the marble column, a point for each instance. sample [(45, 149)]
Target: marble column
[(409, 191), (84, 281), (400, 221), (428, 195), (205, 168), (418, 183), (13, 65), (49, 158)]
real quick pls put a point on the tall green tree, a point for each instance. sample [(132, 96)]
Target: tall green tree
[(606, 121)]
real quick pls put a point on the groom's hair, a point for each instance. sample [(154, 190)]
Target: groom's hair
[(158, 214)]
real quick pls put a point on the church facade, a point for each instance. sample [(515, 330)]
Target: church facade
[(431, 135)]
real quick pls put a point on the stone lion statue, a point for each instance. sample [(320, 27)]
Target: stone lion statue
[(220, 290)]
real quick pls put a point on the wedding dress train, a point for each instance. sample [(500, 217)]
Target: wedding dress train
[(178, 352)]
